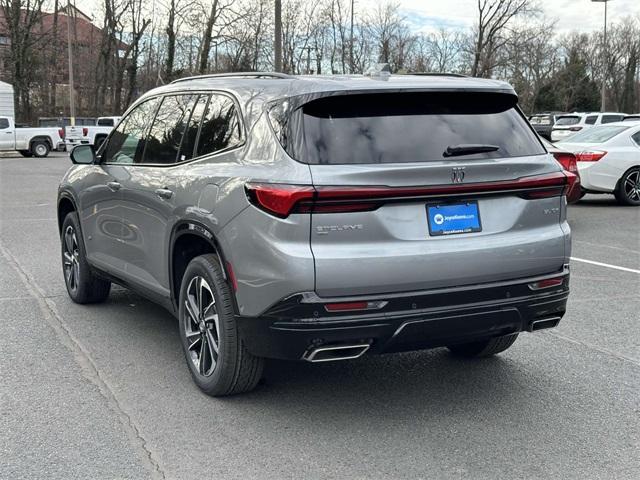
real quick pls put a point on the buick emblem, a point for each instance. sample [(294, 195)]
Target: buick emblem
[(457, 175)]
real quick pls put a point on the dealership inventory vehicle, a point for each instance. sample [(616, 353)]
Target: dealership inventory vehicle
[(543, 123), (570, 124), (321, 218), (29, 141), (609, 160)]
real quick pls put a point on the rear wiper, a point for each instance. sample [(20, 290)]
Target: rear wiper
[(469, 149)]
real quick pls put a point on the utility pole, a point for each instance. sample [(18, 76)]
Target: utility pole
[(351, 42), (605, 69), (72, 91), (278, 35)]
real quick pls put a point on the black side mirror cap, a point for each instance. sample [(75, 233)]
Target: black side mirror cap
[(83, 155)]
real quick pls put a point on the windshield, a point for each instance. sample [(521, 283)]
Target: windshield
[(568, 120), (410, 127), (597, 134)]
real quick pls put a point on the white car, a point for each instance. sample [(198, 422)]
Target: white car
[(609, 160), (571, 123)]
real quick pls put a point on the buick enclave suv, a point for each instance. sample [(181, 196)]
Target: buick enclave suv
[(322, 218)]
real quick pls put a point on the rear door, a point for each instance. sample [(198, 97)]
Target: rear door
[(428, 190)]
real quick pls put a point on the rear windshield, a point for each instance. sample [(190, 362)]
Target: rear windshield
[(567, 120), (409, 127), (632, 118), (597, 134), (106, 122)]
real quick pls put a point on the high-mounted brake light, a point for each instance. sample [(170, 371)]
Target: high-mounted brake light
[(281, 199), (590, 155)]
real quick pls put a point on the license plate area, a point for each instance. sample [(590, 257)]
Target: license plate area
[(453, 218)]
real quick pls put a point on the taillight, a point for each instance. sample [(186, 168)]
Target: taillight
[(567, 160), (61, 133), (281, 199), (85, 131), (590, 155), (575, 129)]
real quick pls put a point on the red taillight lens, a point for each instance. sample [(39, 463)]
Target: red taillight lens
[(61, 133), (590, 155), (567, 160), (278, 199), (85, 132), (548, 283), (575, 129)]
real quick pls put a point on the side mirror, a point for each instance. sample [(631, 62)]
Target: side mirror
[(83, 155)]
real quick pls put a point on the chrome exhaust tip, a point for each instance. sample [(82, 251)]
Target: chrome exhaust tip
[(544, 323), (332, 353)]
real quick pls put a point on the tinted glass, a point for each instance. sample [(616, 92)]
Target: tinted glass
[(187, 150), (632, 118), (170, 123), (106, 122), (410, 127), (126, 143), (220, 126), (636, 138), (591, 119), (596, 134), (4, 123), (568, 120), (611, 118)]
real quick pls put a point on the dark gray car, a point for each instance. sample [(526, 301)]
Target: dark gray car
[(319, 218)]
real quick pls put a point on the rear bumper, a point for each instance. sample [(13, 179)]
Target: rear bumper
[(408, 321)]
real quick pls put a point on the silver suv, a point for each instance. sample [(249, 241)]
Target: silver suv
[(319, 218)]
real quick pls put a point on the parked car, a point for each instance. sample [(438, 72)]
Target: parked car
[(311, 218), (30, 142), (90, 135), (568, 125), (542, 123), (569, 164), (609, 160)]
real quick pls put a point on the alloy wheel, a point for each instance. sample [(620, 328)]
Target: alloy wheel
[(71, 263), (632, 186), (41, 149), (201, 326)]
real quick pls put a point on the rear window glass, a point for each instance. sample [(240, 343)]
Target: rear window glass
[(409, 127), (568, 120), (106, 122), (632, 118), (597, 134)]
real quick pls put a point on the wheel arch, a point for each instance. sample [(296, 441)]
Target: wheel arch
[(41, 138), (66, 205), (190, 239)]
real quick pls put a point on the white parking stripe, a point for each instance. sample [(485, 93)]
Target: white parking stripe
[(600, 264)]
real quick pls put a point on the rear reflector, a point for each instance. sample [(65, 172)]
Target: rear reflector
[(548, 283), (353, 306), (232, 277), (590, 155), (281, 200)]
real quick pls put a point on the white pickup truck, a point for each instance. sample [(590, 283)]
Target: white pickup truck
[(30, 142), (90, 135)]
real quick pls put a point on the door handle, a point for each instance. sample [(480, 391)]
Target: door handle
[(113, 186), (164, 193)]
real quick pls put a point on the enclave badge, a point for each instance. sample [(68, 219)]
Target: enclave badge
[(457, 174)]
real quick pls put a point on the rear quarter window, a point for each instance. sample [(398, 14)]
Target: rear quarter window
[(564, 121), (408, 127)]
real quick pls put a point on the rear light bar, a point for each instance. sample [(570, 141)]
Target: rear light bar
[(590, 155), (281, 199)]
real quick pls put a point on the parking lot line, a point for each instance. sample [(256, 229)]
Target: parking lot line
[(607, 265)]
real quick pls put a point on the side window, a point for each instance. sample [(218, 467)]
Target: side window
[(591, 119), (126, 143), (169, 125), (187, 149), (220, 126), (4, 123), (636, 138), (611, 118)]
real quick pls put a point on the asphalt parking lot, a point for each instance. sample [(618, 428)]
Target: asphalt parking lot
[(103, 391)]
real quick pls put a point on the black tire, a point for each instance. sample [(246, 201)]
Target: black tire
[(25, 153), (99, 141), (40, 149), (82, 284), (233, 370), (484, 348), (628, 189)]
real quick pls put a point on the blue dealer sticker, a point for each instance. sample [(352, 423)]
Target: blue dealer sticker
[(453, 218)]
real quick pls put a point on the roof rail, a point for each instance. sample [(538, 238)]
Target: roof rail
[(437, 74), (237, 75)]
